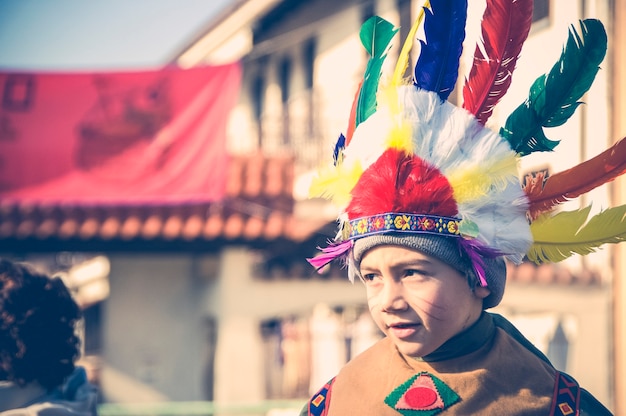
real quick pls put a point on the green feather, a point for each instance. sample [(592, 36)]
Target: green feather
[(376, 34), (553, 97), (560, 236)]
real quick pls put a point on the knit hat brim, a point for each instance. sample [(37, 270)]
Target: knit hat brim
[(445, 249)]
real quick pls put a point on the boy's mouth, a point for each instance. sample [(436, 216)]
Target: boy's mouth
[(403, 329)]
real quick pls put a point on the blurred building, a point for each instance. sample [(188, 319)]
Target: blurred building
[(217, 302)]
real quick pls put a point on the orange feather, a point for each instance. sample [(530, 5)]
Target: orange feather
[(580, 179), (352, 119)]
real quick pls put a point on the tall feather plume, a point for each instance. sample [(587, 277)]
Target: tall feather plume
[(437, 67), (576, 181), (376, 34), (504, 27), (399, 137), (562, 235), (553, 98), (403, 58)]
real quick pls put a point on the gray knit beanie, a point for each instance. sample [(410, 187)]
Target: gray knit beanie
[(446, 249)]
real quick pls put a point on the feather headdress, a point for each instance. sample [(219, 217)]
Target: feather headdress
[(412, 162)]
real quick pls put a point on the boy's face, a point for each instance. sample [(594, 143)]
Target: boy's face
[(416, 300)]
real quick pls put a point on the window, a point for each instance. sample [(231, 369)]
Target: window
[(367, 10), (303, 352), (558, 348), (284, 74), (308, 61), (541, 10), (308, 57), (258, 89), (258, 95)]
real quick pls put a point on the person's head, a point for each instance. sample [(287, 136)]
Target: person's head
[(38, 342), (417, 300)]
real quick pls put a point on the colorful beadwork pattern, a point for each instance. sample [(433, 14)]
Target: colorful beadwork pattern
[(318, 406), (421, 395), (566, 398), (403, 223)]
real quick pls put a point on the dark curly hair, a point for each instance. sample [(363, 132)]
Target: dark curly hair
[(37, 327)]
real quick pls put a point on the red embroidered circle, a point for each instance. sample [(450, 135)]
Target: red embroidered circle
[(420, 397)]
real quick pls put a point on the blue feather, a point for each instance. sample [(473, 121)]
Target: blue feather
[(437, 67), (338, 151)]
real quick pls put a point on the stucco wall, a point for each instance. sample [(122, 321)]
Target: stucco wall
[(153, 330)]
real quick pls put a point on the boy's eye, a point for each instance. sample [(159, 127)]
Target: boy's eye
[(414, 273), (369, 277)]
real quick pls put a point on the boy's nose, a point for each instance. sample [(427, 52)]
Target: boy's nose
[(393, 297)]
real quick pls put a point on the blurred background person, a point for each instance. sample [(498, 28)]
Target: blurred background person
[(39, 346)]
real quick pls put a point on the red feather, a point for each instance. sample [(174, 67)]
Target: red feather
[(397, 182), (352, 118), (573, 182), (505, 27)]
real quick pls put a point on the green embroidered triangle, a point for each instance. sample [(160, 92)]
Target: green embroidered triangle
[(421, 395)]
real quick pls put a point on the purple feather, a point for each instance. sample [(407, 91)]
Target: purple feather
[(437, 67), (476, 252), (330, 253)]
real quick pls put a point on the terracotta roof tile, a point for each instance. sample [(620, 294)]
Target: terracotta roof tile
[(152, 227), (213, 226), (253, 228), (173, 227), (258, 206), (550, 274), (233, 226), (131, 227), (192, 228), (47, 228)]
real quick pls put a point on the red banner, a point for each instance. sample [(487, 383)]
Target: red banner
[(111, 138)]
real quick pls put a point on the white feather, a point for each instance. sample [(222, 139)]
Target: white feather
[(450, 139)]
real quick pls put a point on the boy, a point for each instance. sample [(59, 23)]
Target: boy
[(431, 208)]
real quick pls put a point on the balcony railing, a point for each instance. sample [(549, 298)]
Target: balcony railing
[(299, 128)]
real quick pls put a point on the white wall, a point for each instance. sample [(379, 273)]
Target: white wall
[(155, 338), (153, 330), (241, 302)]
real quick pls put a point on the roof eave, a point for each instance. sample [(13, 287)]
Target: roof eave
[(235, 18)]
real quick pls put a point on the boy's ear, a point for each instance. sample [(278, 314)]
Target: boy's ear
[(481, 291)]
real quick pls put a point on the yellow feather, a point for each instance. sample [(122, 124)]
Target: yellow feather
[(336, 182), (470, 184), (400, 137), (403, 58), (388, 98), (560, 236), (400, 133)]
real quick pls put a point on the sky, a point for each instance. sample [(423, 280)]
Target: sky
[(67, 35)]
